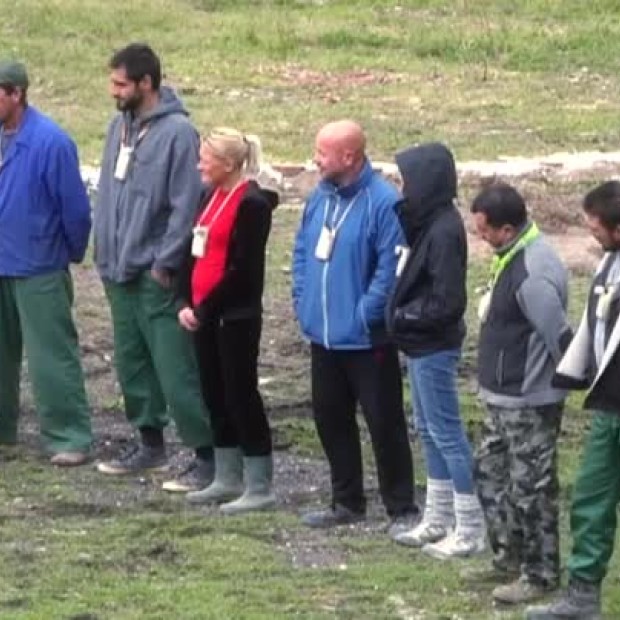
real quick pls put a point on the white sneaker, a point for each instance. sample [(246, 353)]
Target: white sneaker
[(455, 546), (421, 534)]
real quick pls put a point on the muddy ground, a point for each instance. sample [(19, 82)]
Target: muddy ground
[(301, 473)]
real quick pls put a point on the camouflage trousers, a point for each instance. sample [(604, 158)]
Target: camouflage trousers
[(517, 483)]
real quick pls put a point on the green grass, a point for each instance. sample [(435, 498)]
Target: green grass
[(79, 546), (489, 77)]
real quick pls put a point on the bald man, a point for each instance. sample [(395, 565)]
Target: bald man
[(344, 266)]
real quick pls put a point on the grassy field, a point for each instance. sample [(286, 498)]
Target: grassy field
[(77, 546), (488, 76)]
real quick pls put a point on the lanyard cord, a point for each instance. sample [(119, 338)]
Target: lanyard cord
[(336, 225), (222, 206), (143, 131)]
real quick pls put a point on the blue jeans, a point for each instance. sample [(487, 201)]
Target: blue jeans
[(436, 408)]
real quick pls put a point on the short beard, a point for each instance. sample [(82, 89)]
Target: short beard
[(129, 105)]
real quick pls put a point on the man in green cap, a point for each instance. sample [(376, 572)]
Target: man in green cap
[(44, 226)]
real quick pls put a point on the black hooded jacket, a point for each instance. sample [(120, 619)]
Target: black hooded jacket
[(425, 311)]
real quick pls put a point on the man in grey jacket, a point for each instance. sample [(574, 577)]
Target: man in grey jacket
[(149, 193), (523, 333)]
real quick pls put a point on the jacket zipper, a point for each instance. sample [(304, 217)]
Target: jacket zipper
[(324, 306), (499, 371)]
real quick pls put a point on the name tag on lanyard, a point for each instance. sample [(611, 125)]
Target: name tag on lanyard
[(200, 232), (122, 162), (126, 152), (327, 238), (325, 244), (199, 241)]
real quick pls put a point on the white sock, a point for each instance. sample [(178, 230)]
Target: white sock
[(439, 508), (469, 516)]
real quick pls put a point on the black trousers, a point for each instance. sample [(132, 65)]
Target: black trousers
[(341, 379), (227, 354)]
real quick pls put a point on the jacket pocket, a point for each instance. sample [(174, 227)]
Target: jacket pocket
[(158, 300), (309, 316), (361, 311)]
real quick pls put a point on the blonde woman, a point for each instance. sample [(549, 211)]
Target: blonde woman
[(222, 286)]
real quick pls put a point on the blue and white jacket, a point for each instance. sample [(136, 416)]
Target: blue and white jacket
[(340, 302), (44, 208)]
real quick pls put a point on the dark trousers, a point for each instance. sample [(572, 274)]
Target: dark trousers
[(227, 354), (341, 379)]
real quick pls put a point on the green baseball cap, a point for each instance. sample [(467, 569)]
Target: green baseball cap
[(13, 73)]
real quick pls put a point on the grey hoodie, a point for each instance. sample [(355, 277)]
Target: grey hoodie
[(145, 221)]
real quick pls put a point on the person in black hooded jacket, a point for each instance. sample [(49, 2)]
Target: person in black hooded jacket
[(425, 319)]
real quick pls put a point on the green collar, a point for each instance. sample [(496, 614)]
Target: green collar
[(499, 263)]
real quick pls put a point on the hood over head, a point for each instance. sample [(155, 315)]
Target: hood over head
[(429, 184)]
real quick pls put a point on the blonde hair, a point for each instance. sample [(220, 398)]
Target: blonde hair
[(243, 150)]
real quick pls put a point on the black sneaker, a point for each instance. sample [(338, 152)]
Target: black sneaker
[(333, 516), (195, 477), (136, 459)]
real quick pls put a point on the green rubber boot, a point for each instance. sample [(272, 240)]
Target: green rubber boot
[(228, 481), (258, 495)]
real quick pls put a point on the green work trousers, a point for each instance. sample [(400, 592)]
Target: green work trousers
[(35, 316), (595, 498), (155, 361)]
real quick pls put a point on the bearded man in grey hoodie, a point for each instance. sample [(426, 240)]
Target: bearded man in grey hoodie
[(149, 193)]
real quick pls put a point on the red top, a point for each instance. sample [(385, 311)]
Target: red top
[(219, 217)]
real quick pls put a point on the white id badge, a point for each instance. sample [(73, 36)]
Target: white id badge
[(325, 244), (483, 306), (122, 162), (199, 241), (403, 252)]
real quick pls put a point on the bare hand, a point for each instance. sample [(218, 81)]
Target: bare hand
[(188, 319), (162, 277)]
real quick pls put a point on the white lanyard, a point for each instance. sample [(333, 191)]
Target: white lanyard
[(336, 225), (125, 152), (221, 208), (327, 237), (141, 134)]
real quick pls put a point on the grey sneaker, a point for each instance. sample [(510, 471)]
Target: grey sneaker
[(197, 475), (520, 591), (403, 523), (332, 517), (136, 459), (581, 601)]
